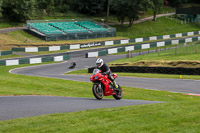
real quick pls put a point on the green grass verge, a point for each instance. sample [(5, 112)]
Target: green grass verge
[(10, 56), (180, 113), (24, 37), (12, 84), (9, 24)]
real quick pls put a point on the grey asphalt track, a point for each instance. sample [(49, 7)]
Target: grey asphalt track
[(26, 106), (58, 70)]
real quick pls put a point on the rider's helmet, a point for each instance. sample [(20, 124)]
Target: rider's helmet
[(99, 63)]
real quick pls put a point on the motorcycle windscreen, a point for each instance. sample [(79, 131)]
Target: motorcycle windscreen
[(95, 71)]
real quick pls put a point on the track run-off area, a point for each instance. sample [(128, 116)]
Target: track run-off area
[(25, 106)]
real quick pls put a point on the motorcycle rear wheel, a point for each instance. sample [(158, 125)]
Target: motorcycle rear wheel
[(119, 93), (97, 91)]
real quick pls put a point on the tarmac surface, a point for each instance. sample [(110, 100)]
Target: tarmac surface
[(13, 107)]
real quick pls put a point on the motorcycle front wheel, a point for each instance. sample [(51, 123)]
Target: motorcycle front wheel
[(97, 91), (119, 93)]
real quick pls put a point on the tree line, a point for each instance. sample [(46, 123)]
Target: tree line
[(22, 10)]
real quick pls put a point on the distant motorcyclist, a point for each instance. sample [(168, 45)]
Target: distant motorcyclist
[(105, 70)]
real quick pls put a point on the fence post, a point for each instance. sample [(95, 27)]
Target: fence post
[(131, 54), (196, 48), (127, 54), (176, 49)]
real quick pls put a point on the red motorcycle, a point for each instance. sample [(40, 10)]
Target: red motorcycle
[(103, 86)]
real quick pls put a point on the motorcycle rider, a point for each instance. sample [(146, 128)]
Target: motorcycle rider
[(105, 70)]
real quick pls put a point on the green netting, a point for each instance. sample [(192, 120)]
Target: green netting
[(195, 39), (47, 59), (137, 47), (184, 34), (182, 40), (64, 47), (159, 37), (66, 57), (102, 43), (153, 44), (3, 53), (196, 32), (18, 49), (43, 48), (121, 49), (117, 41), (132, 40), (104, 52), (168, 42), (172, 36), (2, 63), (24, 61), (146, 39)]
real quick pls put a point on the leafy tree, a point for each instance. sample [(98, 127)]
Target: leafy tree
[(1, 1), (134, 9), (121, 9), (42, 4), (19, 10), (108, 10), (129, 9), (90, 7), (156, 6), (51, 7), (177, 3)]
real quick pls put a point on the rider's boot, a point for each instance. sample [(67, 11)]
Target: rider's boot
[(115, 84)]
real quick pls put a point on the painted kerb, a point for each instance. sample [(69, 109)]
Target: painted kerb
[(4, 53)]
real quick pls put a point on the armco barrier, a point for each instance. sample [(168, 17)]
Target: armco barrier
[(33, 60), (160, 70), (141, 46), (3, 53), (106, 43)]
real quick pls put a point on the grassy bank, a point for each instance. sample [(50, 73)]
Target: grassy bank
[(23, 39), (10, 56), (12, 84), (179, 113), (5, 24), (163, 26)]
